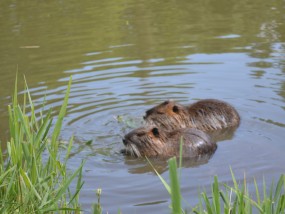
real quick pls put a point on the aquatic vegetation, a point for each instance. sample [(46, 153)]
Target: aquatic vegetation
[(33, 176), (228, 199), (237, 199)]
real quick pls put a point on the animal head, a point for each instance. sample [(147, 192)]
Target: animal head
[(144, 141), (168, 115)]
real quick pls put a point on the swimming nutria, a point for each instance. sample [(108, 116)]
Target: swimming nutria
[(151, 141), (206, 115)]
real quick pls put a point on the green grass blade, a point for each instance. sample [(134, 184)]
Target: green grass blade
[(216, 195), (78, 185), (225, 201), (264, 190), (33, 116), (61, 115), (29, 184), (1, 157), (11, 184), (234, 179), (25, 123), (13, 123), (180, 153), (5, 174), (278, 188), (257, 192), (175, 187), (97, 209), (281, 204), (44, 128), (167, 187), (15, 97), (68, 149), (207, 203)]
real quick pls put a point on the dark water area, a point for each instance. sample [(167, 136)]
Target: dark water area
[(127, 56)]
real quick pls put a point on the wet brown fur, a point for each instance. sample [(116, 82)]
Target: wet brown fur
[(150, 141), (206, 115)]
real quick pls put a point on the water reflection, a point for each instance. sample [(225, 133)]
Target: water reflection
[(140, 165)]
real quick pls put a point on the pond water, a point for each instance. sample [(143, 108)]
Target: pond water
[(127, 56)]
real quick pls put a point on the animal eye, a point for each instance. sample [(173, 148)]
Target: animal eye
[(175, 109), (155, 132)]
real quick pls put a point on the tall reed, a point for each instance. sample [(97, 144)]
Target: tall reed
[(33, 179)]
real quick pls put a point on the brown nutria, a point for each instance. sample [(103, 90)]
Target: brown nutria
[(151, 141), (206, 115)]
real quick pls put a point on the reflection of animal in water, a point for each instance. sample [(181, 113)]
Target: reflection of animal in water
[(222, 134), (141, 166), (206, 115), (151, 141)]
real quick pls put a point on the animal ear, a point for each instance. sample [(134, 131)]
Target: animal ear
[(155, 132), (175, 109), (166, 102)]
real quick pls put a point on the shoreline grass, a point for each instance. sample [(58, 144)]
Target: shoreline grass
[(29, 184), (228, 199)]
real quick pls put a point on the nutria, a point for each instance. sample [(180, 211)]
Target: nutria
[(206, 115), (151, 141)]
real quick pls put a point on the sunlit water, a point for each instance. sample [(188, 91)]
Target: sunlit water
[(127, 57)]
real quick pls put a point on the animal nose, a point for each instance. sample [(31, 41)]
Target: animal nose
[(125, 142)]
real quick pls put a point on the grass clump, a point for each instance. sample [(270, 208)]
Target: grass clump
[(237, 199), (225, 198), (29, 183)]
